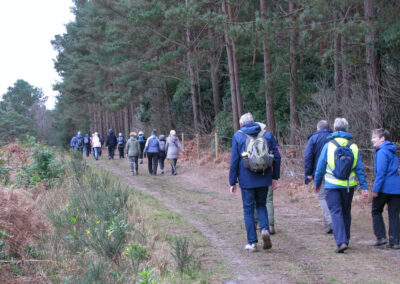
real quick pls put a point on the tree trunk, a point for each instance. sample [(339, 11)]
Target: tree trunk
[(168, 104), (213, 59), (337, 73), (192, 79), (126, 120), (345, 67), (372, 66), (294, 119), (269, 95), (231, 76)]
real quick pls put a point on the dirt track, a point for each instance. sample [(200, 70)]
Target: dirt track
[(301, 252)]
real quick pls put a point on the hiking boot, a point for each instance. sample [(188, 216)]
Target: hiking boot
[(379, 242), (341, 248), (272, 229), (266, 239), (251, 247), (391, 246), (141, 161), (328, 229), (162, 172)]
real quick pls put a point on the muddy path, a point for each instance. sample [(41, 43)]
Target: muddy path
[(301, 252)]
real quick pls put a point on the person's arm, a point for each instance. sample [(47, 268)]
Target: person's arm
[(166, 147), (359, 170), (180, 146), (234, 164), (309, 158), (126, 148), (146, 146), (321, 166)]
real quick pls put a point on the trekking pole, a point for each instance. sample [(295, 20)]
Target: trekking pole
[(216, 145)]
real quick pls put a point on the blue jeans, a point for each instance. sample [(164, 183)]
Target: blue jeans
[(96, 152), (339, 204), (254, 197), (87, 148)]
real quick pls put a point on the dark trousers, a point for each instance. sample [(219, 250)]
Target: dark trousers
[(87, 149), (254, 198), (378, 203), (134, 163), (152, 162), (142, 145), (161, 159), (339, 204), (121, 152), (111, 152)]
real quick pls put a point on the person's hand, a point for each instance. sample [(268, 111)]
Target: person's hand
[(274, 184), (364, 193), (375, 194), (310, 178), (233, 189), (317, 189)]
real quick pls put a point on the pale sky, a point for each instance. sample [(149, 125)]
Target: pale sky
[(26, 29)]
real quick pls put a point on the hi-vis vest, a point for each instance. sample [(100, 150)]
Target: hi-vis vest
[(329, 177)]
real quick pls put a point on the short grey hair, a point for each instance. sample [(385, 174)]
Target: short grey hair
[(340, 124), (246, 118), (322, 124)]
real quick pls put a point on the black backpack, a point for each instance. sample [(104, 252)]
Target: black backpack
[(79, 142), (344, 159)]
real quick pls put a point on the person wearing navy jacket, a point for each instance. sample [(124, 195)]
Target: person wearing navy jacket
[(316, 141), (254, 186), (386, 189)]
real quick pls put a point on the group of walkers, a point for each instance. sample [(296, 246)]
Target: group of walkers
[(332, 161), (157, 149)]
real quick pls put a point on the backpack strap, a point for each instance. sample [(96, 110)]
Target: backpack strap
[(349, 143), (335, 143)]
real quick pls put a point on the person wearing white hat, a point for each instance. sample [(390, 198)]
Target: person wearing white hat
[(172, 148)]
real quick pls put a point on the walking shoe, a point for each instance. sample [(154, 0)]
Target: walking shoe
[(251, 247), (271, 229), (379, 242), (328, 229), (162, 172), (341, 248), (393, 246), (141, 161), (266, 239)]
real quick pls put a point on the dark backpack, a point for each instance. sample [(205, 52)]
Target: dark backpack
[(258, 158), (79, 142), (344, 159), (141, 138)]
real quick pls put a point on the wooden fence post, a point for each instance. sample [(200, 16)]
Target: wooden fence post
[(198, 146), (216, 145), (183, 141)]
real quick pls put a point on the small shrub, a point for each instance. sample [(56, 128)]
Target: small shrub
[(146, 276), (182, 254), (136, 254)]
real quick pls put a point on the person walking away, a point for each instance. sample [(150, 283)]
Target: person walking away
[(152, 150), (255, 171), (142, 141), (339, 163), (96, 145), (172, 147), (79, 142), (111, 142), (163, 154), (386, 189), (121, 144), (86, 143), (316, 141), (101, 144), (73, 142), (133, 151)]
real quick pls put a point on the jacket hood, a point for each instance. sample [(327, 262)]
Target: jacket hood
[(388, 146), (162, 138), (251, 128), (341, 134), (323, 130)]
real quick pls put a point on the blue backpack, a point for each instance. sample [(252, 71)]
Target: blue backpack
[(141, 138), (344, 159)]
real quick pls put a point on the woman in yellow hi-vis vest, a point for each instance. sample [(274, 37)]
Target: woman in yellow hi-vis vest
[(340, 191)]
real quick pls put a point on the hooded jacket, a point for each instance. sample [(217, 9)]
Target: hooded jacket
[(132, 147), (316, 142), (152, 144), (323, 161), (387, 179), (248, 179), (172, 147)]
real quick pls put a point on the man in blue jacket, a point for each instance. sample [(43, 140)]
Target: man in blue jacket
[(339, 193), (254, 186), (152, 149), (77, 142), (316, 142), (111, 143)]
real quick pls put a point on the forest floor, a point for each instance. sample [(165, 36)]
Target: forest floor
[(301, 251)]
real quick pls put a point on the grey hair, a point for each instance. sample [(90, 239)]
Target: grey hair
[(79, 133), (322, 124), (246, 118), (340, 124)]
